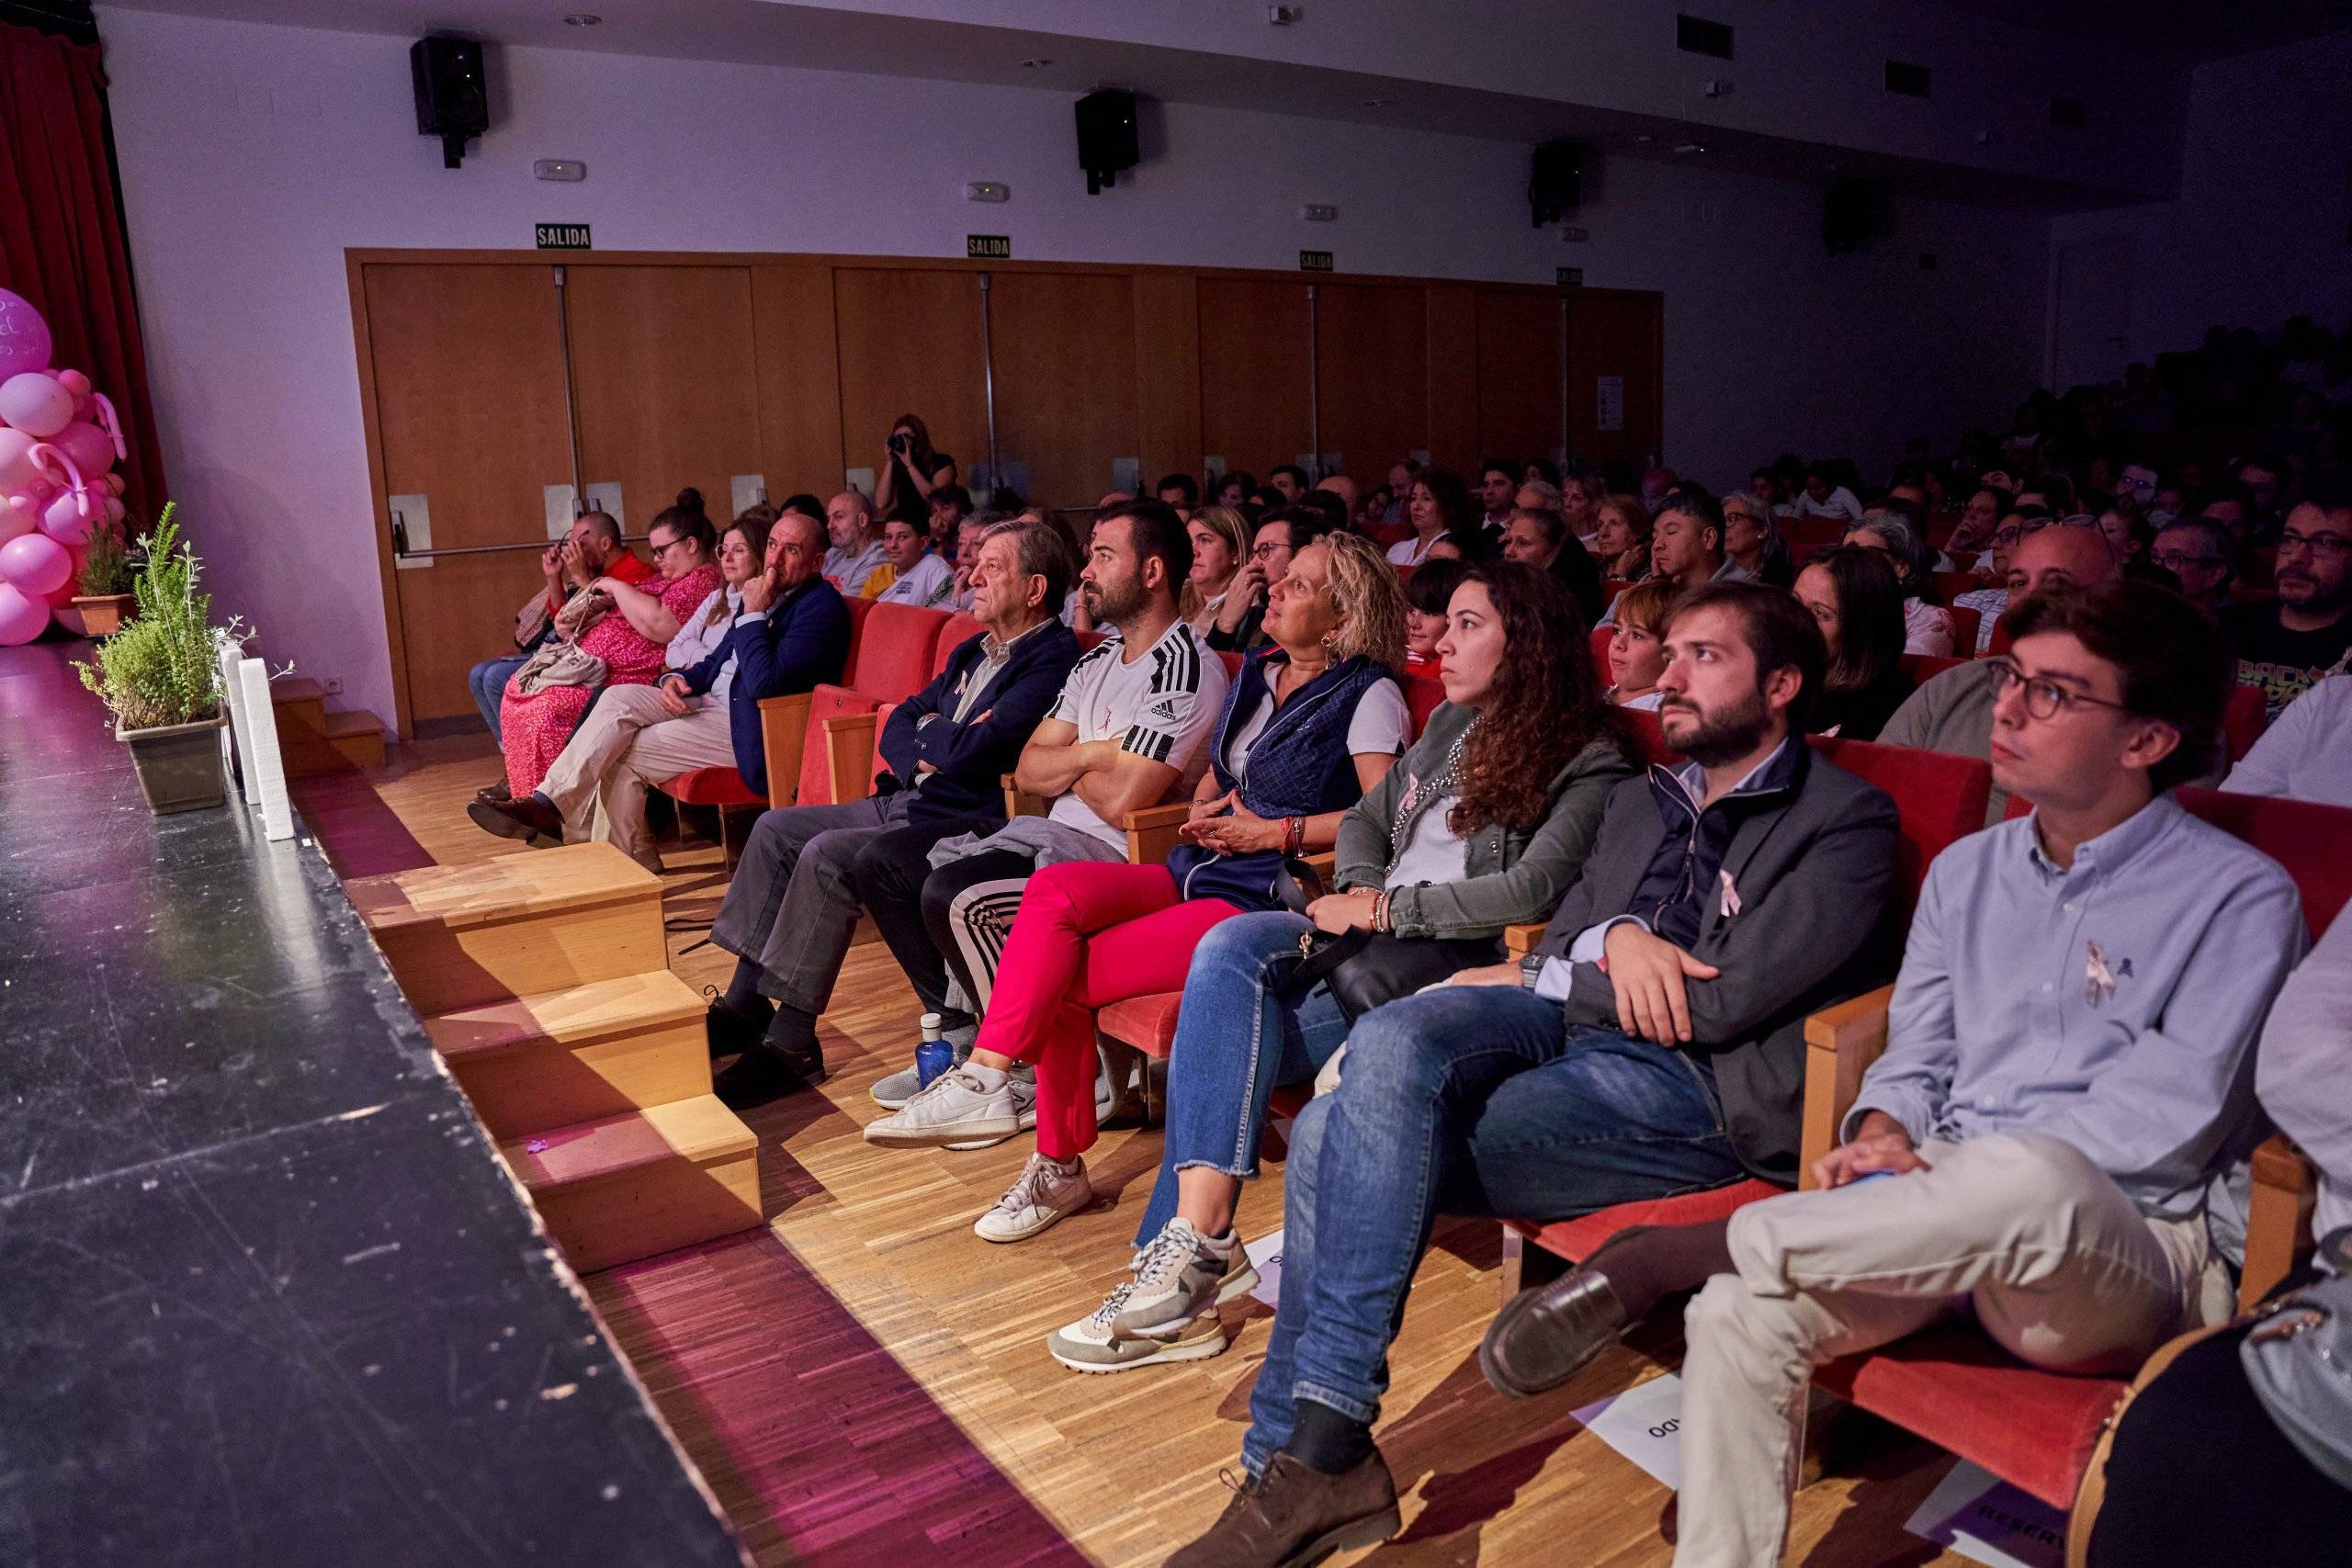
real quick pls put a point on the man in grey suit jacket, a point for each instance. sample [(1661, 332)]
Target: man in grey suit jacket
[(1652, 1044)]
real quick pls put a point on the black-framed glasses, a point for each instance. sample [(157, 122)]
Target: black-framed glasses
[(2173, 562), (2322, 546), (2045, 699), (658, 551), (1265, 552)]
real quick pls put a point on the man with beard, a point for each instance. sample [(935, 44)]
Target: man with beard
[(2284, 647), (1653, 1044), (1129, 730)]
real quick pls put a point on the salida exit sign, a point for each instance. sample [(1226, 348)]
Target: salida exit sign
[(560, 236)]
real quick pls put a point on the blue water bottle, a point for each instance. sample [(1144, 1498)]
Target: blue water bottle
[(934, 1055)]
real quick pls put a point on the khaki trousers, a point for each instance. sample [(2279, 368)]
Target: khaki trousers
[(2061, 1269), (628, 742)]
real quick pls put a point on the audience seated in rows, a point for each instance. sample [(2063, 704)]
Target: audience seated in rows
[(2200, 554), (1899, 530), (1622, 542), (912, 469), (1637, 646), (1498, 483), (1823, 496), (1854, 597), (1280, 535), (856, 549), (1686, 543), (1435, 506), (1754, 550), (2307, 753), (2283, 647), (2057, 1153), (592, 550), (911, 573), (792, 632), (1538, 537), (1429, 596), (1221, 542), (1652, 1043)]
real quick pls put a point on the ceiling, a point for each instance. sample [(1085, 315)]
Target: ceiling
[(2189, 31)]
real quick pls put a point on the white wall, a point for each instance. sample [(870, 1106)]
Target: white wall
[(253, 155), (2259, 232)]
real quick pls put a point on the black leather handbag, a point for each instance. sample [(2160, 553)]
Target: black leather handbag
[(1363, 969)]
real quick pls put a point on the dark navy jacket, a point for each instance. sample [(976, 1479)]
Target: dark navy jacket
[(973, 757), (803, 640)]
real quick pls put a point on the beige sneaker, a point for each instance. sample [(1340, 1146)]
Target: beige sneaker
[(1045, 1192)]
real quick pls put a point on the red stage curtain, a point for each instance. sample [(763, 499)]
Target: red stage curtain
[(61, 233)]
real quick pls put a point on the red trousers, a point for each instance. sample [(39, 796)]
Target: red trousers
[(1090, 933)]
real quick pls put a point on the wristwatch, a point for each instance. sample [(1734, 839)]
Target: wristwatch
[(1531, 969)]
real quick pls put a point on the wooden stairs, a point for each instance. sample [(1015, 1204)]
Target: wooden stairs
[(543, 982), (314, 740)]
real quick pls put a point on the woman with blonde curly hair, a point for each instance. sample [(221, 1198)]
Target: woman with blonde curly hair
[(1483, 825), (1314, 719)]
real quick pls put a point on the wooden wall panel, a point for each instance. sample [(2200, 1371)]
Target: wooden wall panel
[(1616, 334), (665, 383), (1519, 376), (1452, 337), (1064, 346), (1253, 372), (908, 342), (1372, 369), (799, 382), (470, 414), (1168, 373)]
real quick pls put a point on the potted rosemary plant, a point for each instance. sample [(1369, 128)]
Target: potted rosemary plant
[(159, 675), (108, 571)]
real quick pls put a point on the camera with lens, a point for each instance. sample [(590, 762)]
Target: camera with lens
[(901, 442)]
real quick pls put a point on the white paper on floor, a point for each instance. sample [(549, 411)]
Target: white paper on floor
[(1987, 1520), (1266, 1253), (1642, 1423)]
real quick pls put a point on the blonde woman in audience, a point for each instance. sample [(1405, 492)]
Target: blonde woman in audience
[(1220, 544), (1622, 542), (1637, 646)]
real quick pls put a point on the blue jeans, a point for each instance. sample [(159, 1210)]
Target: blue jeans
[(1236, 1041), (487, 681), (1475, 1101)]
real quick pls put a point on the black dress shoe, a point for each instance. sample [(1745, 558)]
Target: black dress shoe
[(764, 1073), (730, 1032), (1546, 1336), (531, 819), (1296, 1513)]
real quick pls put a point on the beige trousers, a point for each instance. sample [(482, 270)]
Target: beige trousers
[(2061, 1269), (628, 742)]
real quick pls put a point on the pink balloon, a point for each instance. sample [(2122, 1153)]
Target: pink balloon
[(22, 618), (90, 447), (35, 404), (73, 381), (24, 336), (15, 524), (18, 470), (66, 591), (114, 484), (35, 563), (68, 520)]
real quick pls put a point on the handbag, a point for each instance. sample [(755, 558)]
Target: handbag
[(1363, 969), (2297, 1360), (558, 664)]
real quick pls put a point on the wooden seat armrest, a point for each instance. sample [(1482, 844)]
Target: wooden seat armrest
[(1151, 831), (2278, 1227), (848, 755), (1326, 864), (1520, 940), (784, 731), (1018, 802), (1841, 1042)]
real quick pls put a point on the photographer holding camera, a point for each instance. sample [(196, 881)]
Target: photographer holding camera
[(912, 469)]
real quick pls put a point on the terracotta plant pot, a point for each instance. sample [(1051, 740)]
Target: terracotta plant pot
[(104, 614), (178, 765)]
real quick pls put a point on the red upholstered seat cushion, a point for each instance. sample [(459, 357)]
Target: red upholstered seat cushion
[(1922, 667), (1964, 625), (816, 771), (894, 650), (710, 786), (858, 610), (1579, 1238), (1938, 798), (1602, 636), (1422, 695), (1960, 1391), (1147, 1023), (959, 630), (2245, 716)]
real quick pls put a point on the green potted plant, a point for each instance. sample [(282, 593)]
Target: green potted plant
[(108, 572), (159, 675)]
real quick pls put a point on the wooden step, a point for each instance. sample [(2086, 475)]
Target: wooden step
[(560, 1057), (358, 739), (461, 936), (622, 1187)]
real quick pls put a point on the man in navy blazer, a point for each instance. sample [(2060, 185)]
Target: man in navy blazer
[(792, 633), (793, 906)]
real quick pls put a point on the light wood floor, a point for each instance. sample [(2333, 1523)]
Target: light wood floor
[(1126, 1466)]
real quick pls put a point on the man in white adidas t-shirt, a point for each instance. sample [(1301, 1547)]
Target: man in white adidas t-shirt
[(1130, 730)]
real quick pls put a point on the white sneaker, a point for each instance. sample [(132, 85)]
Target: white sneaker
[(1179, 1276), (1023, 1084), (1045, 1192), (955, 1108), (1091, 1344)]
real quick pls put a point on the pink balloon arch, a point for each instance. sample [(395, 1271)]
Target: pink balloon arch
[(59, 444)]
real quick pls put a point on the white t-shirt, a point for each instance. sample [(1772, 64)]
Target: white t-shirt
[(1163, 705), (1379, 726), (928, 584), (1412, 551), (2307, 754), (1434, 852), (1842, 504), (697, 636)]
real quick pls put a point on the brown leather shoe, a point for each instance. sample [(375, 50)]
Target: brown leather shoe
[(1546, 1336), (1294, 1514), (499, 791), (531, 819)]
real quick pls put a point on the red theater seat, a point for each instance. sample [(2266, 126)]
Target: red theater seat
[(1423, 693), (2243, 718), (1964, 625), (959, 630), (816, 757), (1600, 640), (859, 609), (894, 651)]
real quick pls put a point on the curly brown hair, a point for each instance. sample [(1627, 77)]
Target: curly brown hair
[(1545, 707)]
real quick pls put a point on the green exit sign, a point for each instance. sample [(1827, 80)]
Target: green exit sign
[(1314, 261), (1571, 277), (988, 247), (560, 236)]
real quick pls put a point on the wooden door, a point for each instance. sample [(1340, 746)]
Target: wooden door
[(1372, 375), (467, 383), (800, 379), (664, 386), (908, 342), (1064, 349), (1519, 377), (1615, 375), (1253, 372)]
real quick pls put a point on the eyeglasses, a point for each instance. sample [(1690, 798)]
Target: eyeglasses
[(2173, 562), (1265, 552), (658, 551), (2046, 699), (2010, 536), (2322, 546)]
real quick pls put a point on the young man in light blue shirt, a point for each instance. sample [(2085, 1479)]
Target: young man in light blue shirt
[(2066, 1090)]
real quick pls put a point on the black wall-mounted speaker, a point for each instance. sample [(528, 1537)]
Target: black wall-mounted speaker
[(1846, 217), (452, 92), (1555, 183), (1106, 137)]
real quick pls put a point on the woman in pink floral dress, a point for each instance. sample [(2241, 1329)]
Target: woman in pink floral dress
[(631, 638)]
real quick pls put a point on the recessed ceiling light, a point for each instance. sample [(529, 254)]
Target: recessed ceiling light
[(1037, 64), (1378, 103), (1644, 136), (1690, 147), (582, 19)]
